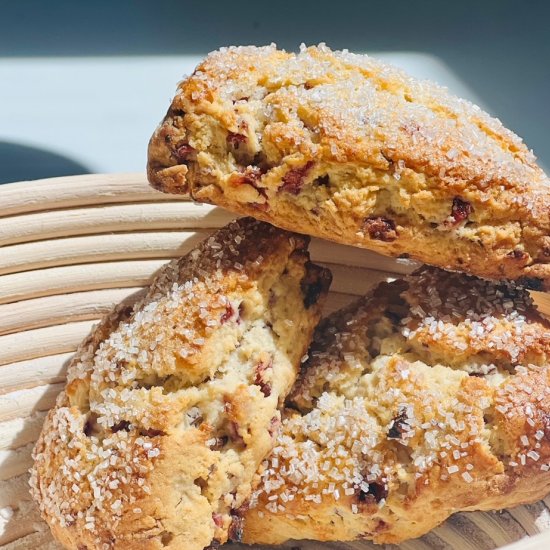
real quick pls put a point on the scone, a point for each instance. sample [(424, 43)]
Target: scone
[(171, 407), (344, 147), (430, 396)]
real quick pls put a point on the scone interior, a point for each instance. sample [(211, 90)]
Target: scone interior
[(171, 407), (347, 148), (427, 397)]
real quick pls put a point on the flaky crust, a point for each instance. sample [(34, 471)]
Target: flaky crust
[(428, 397), (344, 147), (171, 406)]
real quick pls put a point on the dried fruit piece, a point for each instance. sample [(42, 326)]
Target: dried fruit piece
[(249, 176), (399, 425), (265, 387), (123, 425), (262, 206), (235, 140), (228, 314), (218, 519), (185, 152), (151, 432), (381, 229), (293, 180), (517, 254), (460, 210)]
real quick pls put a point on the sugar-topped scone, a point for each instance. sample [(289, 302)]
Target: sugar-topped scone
[(428, 397), (347, 148), (170, 407)]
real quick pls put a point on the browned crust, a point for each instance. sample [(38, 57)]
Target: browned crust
[(321, 142)]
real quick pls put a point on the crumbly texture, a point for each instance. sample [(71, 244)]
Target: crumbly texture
[(428, 397), (344, 147), (170, 407)]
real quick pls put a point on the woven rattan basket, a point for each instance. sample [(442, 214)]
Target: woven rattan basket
[(72, 247)]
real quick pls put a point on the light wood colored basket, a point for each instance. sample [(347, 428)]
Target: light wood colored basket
[(71, 248)]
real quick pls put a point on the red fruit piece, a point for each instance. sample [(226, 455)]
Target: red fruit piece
[(381, 229), (184, 152), (460, 210), (293, 180)]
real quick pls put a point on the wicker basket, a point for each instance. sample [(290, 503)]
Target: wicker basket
[(70, 248)]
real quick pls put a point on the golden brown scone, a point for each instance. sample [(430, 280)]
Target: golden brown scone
[(170, 408), (430, 396), (344, 147)]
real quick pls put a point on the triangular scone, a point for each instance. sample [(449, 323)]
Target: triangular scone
[(344, 147), (430, 396), (171, 407)]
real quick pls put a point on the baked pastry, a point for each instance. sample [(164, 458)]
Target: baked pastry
[(170, 407), (427, 397), (346, 148)]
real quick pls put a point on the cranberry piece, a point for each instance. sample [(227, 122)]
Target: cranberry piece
[(233, 430), (185, 152), (399, 426), (123, 425), (460, 210), (517, 254), (151, 432), (228, 313), (265, 387), (235, 140), (262, 207), (381, 229), (249, 176), (91, 427), (293, 180), (218, 519)]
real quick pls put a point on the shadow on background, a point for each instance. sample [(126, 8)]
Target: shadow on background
[(499, 48), (20, 162)]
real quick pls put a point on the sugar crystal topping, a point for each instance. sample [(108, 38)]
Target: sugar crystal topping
[(360, 103)]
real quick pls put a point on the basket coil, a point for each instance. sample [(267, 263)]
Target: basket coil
[(71, 248)]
